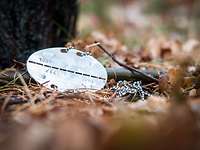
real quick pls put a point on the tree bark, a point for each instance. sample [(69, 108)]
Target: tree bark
[(29, 25)]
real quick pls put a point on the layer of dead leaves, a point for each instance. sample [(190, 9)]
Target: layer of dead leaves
[(169, 119)]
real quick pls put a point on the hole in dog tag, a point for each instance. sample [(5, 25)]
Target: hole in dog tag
[(62, 69)]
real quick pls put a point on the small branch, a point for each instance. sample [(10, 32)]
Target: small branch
[(8, 77), (121, 73), (133, 70)]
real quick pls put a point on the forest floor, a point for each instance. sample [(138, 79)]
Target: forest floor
[(167, 119)]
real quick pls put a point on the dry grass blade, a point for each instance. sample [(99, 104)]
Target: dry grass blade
[(6, 101), (26, 89)]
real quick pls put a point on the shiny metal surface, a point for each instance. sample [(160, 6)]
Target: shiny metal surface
[(66, 68)]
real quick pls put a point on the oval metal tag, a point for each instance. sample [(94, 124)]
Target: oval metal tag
[(66, 68)]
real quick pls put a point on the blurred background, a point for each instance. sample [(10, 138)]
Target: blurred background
[(134, 22)]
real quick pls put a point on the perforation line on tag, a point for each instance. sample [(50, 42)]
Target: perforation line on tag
[(70, 71)]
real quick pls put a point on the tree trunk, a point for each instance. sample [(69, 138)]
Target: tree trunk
[(29, 25)]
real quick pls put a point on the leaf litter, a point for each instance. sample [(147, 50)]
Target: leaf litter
[(34, 117)]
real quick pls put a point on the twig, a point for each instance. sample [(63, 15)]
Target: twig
[(8, 77), (133, 70), (18, 63)]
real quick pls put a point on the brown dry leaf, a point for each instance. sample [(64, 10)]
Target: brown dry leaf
[(163, 48), (173, 75), (191, 45), (154, 104)]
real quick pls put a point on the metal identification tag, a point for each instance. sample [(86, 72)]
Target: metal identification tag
[(66, 68)]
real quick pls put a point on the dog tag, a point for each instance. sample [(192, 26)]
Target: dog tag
[(65, 69)]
